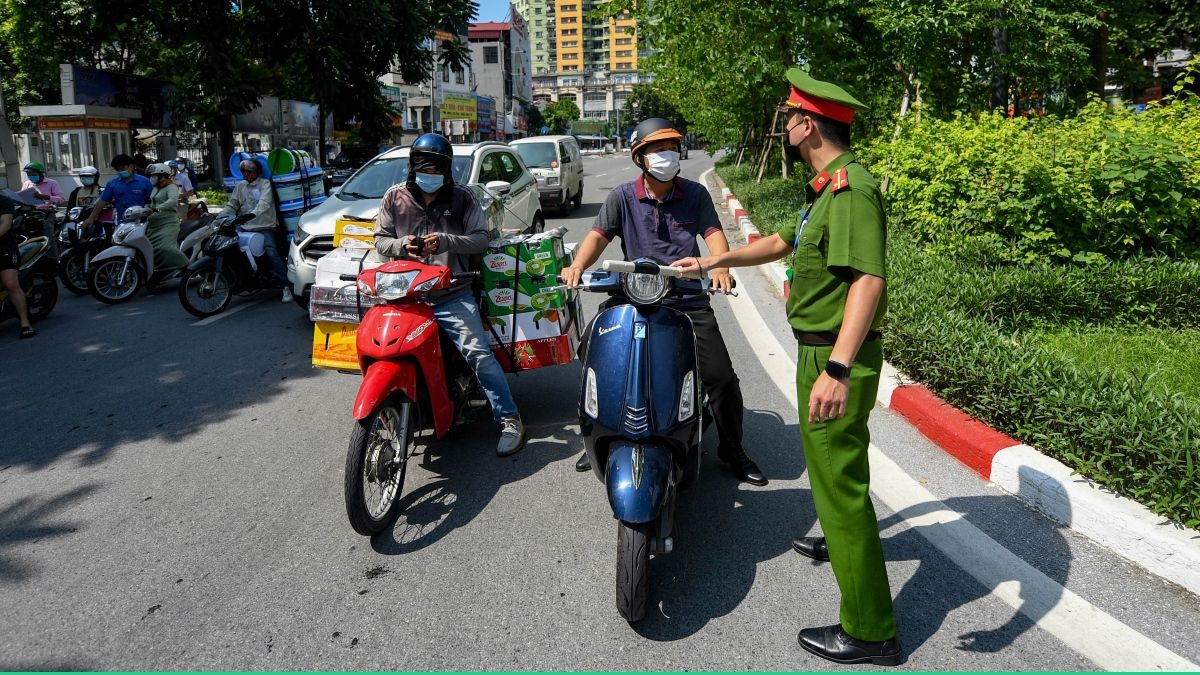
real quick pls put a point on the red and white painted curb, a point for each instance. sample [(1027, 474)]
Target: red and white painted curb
[(1122, 525)]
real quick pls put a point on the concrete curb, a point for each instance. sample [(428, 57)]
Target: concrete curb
[(1124, 526)]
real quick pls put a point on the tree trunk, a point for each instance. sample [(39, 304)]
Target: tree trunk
[(321, 134), (1099, 55), (999, 77)]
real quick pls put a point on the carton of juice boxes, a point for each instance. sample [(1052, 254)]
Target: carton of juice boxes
[(533, 322)]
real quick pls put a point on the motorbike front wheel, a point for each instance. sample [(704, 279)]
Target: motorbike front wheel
[(72, 271), (41, 295), (633, 563), (205, 292), (109, 285), (376, 463)]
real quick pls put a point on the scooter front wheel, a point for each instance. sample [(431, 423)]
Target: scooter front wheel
[(115, 280), (633, 566), (204, 292), (41, 295), (376, 464), (73, 273)]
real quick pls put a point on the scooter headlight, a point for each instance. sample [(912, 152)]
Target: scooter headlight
[(591, 398), (394, 285), (687, 396), (644, 289), (122, 232), (74, 213)]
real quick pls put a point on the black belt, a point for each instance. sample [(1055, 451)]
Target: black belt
[(827, 339)]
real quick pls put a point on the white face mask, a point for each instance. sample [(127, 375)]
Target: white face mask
[(663, 165)]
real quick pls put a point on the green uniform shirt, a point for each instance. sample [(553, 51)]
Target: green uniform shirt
[(842, 229)]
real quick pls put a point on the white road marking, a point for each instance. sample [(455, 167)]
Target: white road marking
[(601, 175), (1086, 629), (227, 313)]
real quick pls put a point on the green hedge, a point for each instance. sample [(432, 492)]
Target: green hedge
[(1105, 184), (968, 330)]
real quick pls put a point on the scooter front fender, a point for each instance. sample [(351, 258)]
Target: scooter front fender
[(116, 251), (638, 478), (382, 379)]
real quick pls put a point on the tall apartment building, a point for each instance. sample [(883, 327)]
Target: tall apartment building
[(593, 62)]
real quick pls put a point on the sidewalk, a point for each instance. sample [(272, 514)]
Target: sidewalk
[(1121, 525)]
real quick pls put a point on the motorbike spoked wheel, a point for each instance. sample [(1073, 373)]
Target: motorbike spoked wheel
[(107, 285), (633, 567), (41, 295), (205, 292), (73, 273), (376, 465)]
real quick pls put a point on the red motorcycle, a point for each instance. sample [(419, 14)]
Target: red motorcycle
[(414, 379)]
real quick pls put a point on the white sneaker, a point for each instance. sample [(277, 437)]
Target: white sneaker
[(287, 294), (512, 436)]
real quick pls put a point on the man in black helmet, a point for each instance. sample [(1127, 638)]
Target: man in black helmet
[(430, 219), (659, 215)]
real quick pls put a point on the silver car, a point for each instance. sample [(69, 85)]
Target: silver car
[(505, 188)]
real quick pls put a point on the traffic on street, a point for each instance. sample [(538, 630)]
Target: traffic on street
[(173, 495)]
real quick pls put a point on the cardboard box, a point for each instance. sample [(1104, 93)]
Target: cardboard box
[(335, 346), (354, 233), (538, 339)]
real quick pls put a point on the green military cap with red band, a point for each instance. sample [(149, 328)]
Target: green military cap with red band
[(822, 98)]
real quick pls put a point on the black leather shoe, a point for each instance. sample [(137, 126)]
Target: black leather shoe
[(833, 644), (583, 463), (744, 467), (811, 547)]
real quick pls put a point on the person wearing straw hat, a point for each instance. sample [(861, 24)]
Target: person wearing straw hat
[(836, 307)]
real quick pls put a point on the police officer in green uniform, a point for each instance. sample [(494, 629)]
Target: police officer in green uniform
[(836, 306)]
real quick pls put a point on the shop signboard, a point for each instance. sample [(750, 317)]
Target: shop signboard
[(485, 113)]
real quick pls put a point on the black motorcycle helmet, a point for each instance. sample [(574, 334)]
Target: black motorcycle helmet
[(648, 131), (430, 150)]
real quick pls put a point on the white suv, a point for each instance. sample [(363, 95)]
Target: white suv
[(505, 189)]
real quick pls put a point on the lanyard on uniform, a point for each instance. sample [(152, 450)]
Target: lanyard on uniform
[(796, 243)]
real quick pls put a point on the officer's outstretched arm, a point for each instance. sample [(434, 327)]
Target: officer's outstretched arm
[(763, 251)]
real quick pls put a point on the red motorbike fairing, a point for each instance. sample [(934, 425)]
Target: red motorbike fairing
[(396, 343)]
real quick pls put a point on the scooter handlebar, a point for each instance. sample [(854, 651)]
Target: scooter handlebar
[(642, 268)]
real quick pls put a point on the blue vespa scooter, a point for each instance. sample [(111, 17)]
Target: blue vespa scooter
[(640, 412)]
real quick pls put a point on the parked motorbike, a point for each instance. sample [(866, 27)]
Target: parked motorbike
[(414, 379), (119, 271), (36, 275), (640, 411), (232, 263), (77, 246)]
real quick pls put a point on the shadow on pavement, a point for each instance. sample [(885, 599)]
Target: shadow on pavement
[(928, 598), (97, 377), (27, 521)]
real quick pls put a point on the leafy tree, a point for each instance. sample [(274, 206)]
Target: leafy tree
[(645, 102), (560, 114), (533, 119)]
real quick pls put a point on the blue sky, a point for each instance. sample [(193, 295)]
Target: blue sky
[(492, 10)]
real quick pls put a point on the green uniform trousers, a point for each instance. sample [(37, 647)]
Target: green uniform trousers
[(836, 455)]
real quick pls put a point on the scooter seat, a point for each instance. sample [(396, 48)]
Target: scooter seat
[(189, 226)]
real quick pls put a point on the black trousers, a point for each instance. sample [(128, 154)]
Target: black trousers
[(721, 385)]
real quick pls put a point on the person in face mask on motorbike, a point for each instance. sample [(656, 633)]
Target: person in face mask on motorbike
[(48, 189), (659, 215), (163, 226), (128, 189), (88, 191), (254, 194), (434, 221)]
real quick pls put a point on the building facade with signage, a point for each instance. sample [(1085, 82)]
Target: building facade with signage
[(444, 101), (501, 57)]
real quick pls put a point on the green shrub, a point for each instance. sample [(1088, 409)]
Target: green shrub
[(975, 332), (1107, 183), (213, 196), (774, 201)]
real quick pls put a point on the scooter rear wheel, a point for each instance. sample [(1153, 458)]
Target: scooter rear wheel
[(633, 566), (205, 292), (107, 285), (376, 465), (41, 295)]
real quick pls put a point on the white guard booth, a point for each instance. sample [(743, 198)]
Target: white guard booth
[(70, 137)]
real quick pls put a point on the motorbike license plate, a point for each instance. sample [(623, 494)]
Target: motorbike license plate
[(335, 346)]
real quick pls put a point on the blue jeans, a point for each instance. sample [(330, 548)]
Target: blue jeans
[(271, 253), (459, 319)]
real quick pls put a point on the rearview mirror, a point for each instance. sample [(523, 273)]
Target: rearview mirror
[(500, 188)]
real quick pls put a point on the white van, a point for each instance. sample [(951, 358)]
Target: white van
[(556, 163)]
